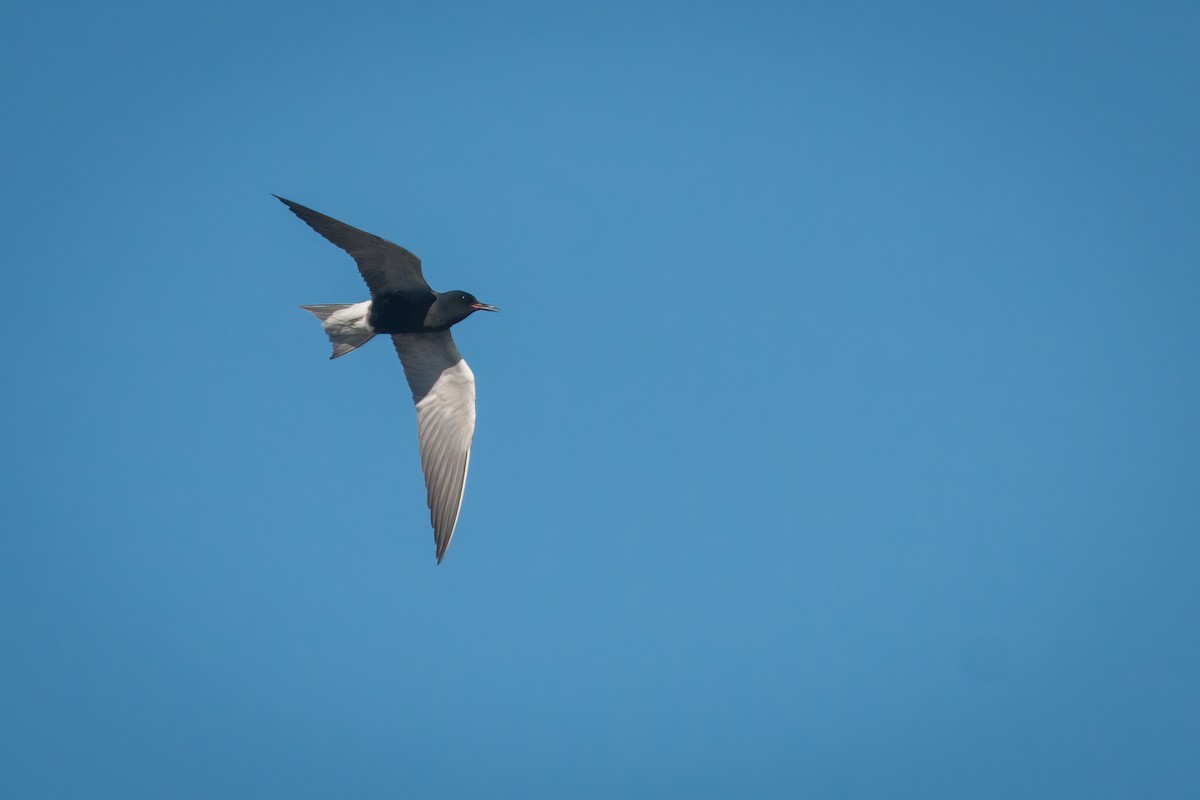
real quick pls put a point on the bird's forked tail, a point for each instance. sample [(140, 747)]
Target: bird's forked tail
[(346, 324)]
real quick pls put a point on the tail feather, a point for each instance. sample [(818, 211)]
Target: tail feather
[(350, 343), (323, 311), (347, 330)]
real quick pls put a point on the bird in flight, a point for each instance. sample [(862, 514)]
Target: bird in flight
[(418, 319)]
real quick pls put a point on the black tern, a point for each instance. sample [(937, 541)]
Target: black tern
[(418, 319)]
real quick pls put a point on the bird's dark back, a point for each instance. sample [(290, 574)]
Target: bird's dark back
[(400, 312)]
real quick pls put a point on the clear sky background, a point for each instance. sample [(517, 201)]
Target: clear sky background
[(838, 437)]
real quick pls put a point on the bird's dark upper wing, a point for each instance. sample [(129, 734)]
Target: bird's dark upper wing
[(443, 388), (386, 267)]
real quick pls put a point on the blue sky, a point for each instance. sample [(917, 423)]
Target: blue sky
[(838, 437)]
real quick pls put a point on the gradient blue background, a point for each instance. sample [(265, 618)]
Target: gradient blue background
[(838, 438)]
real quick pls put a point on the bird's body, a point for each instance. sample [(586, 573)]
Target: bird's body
[(418, 319)]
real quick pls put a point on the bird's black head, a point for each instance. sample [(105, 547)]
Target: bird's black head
[(453, 307)]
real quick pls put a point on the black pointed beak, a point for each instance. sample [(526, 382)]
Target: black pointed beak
[(484, 307)]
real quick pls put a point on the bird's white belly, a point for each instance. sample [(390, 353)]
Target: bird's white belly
[(349, 322)]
